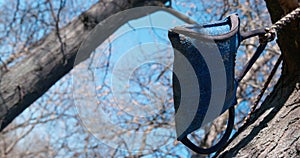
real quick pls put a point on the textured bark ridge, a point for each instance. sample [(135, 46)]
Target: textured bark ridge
[(274, 129)]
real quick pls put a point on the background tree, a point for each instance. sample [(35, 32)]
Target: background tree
[(39, 42)]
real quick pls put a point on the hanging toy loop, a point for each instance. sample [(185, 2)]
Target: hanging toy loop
[(227, 37)]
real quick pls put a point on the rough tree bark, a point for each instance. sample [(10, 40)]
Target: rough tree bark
[(274, 129)]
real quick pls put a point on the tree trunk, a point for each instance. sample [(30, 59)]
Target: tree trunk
[(52, 58), (274, 129)]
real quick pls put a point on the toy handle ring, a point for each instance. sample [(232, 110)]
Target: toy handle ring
[(217, 146)]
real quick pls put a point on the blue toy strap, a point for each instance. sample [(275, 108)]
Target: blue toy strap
[(253, 33), (263, 43), (250, 63), (220, 144)]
